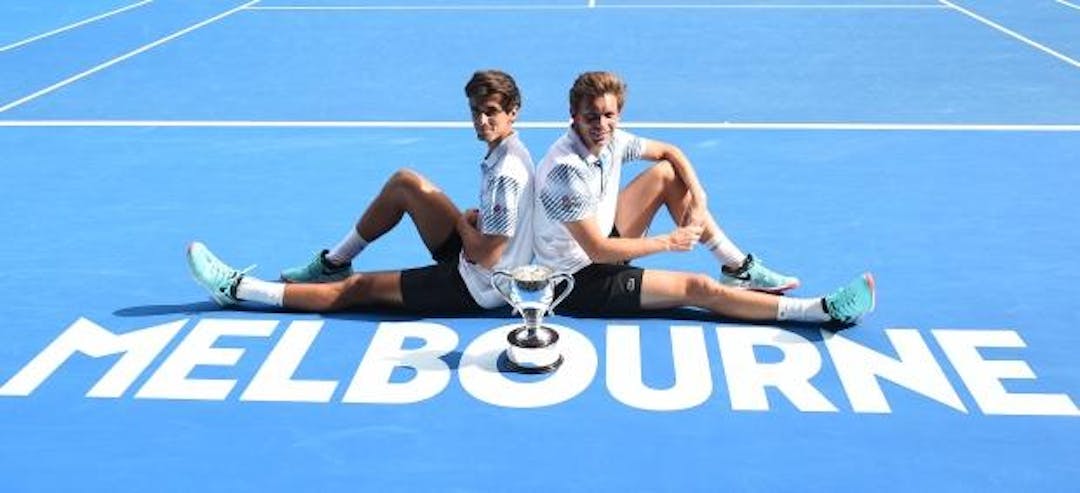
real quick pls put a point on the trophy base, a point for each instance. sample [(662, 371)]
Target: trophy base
[(533, 351), (533, 370)]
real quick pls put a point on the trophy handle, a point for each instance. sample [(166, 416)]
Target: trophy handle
[(566, 292), (495, 276)]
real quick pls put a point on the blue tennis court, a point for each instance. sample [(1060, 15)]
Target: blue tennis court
[(934, 143)]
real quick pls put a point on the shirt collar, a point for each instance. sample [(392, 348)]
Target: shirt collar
[(580, 149), (498, 152)]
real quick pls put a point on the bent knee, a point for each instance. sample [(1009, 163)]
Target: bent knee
[(405, 177), (408, 180), (664, 170)]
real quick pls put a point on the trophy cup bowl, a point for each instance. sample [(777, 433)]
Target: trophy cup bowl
[(530, 290)]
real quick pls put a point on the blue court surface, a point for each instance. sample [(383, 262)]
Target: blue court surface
[(933, 143)]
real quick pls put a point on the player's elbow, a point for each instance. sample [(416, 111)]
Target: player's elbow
[(667, 152), (599, 253)]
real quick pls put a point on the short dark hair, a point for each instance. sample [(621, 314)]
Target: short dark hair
[(593, 85), (485, 83)]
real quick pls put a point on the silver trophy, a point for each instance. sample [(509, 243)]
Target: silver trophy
[(530, 290)]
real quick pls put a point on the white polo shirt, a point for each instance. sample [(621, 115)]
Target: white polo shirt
[(506, 198), (573, 184)]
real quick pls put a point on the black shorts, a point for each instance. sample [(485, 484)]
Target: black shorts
[(437, 290), (448, 251), (603, 289)]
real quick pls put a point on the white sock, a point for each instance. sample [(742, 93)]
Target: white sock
[(724, 250), (257, 290), (346, 250), (801, 310)]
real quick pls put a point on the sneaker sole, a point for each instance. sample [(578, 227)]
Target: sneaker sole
[(869, 278), (778, 289)]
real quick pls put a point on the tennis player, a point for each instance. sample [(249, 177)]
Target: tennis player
[(586, 226), (466, 246)]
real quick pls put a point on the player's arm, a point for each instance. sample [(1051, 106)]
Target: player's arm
[(662, 151), (486, 232), (480, 248), (603, 249)]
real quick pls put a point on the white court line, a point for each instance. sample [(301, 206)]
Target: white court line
[(447, 124), (121, 58), (824, 6), (1012, 33), (417, 7), (593, 6), (73, 26), (1067, 4)]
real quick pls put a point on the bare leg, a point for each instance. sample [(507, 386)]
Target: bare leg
[(359, 290), (643, 196), (407, 191), (660, 185), (667, 289)]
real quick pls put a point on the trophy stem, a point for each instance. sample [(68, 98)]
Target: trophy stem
[(533, 318)]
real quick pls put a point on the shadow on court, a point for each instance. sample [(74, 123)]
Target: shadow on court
[(805, 329)]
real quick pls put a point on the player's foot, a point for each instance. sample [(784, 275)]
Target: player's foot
[(850, 302), (318, 270), (214, 275), (753, 275)]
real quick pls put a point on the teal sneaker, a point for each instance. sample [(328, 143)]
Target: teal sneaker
[(318, 270), (753, 275), (214, 275), (850, 302)]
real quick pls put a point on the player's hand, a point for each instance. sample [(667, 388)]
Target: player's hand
[(468, 220), (684, 238), (472, 216)]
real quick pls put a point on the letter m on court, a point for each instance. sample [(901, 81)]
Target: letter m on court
[(137, 349)]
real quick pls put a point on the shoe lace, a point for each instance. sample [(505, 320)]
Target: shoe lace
[(235, 276), (222, 269), (845, 303), (740, 273)]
